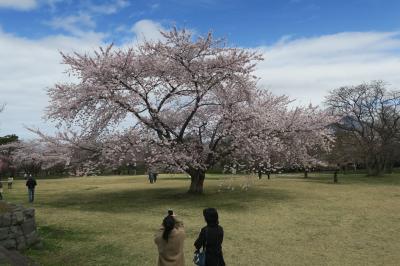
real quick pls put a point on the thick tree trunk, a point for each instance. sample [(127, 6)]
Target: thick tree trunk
[(259, 172), (375, 171), (389, 167), (376, 166), (335, 177), (268, 174), (197, 177), (305, 173)]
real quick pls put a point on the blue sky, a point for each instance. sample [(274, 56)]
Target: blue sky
[(246, 23), (309, 46)]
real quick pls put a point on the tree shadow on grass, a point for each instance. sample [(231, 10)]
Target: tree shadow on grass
[(389, 180), (345, 179), (149, 199), (298, 178), (58, 243), (187, 178), (176, 178), (51, 236)]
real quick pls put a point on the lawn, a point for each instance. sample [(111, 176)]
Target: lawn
[(287, 220)]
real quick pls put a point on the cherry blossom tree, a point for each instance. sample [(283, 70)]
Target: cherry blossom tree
[(190, 102), (309, 138), (274, 136), (178, 90), (7, 144), (6, 165), (34, 157), (86, 155)]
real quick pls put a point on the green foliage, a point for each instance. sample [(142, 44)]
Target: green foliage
[(8, 139)]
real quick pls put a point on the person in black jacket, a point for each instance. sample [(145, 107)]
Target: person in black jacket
[(211, 237), (1, 190), (31, 184)]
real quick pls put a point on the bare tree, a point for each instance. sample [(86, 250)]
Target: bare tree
[(346, 152), (371, 115)]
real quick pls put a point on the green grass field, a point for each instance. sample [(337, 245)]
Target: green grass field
[(287, 220)]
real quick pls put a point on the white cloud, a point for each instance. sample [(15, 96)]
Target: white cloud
[(18, 4), (74, 24), (27, 5), (307, 68), (27, 68), (53, 3), (84, 20), (110, 7), (155, 6), (303, 68), (147, 30)]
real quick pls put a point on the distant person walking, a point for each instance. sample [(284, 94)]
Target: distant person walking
[(31, 184), (169, 240), (1, 190), (151, 177), (210, 239), (10, 182), (155, 177)]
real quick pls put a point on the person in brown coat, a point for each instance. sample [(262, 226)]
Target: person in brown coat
[(169, 241)]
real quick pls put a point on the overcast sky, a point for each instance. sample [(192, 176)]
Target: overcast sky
[(309, 46)]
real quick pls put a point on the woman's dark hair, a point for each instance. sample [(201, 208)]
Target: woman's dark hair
[(169, 224), (211, 216)]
